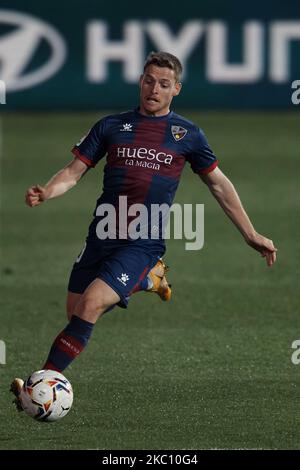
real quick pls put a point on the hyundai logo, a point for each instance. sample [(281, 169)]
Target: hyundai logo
[(18, 49)]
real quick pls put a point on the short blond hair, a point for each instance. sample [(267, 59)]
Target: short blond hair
[(165, 59)]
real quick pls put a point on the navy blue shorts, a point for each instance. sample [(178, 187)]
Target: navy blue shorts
[(121, 266)]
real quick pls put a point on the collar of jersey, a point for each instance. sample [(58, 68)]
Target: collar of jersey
[(158, 118)]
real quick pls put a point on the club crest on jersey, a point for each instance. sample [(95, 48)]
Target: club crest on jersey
[(178, 132)]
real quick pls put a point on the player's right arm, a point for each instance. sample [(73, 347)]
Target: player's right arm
[(59, 184)]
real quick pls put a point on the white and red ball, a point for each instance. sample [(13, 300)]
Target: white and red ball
[(46, 395)]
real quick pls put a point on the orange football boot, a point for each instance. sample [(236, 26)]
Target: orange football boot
[(159, 281), (15, 388)]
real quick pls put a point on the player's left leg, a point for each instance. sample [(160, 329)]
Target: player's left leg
[(86, 269), (157, 281)]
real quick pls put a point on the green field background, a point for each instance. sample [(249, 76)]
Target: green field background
[(212, 368)]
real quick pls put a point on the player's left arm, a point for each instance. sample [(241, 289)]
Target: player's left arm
[(228, 198)]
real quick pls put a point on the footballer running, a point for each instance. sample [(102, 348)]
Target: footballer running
[(146, 150)]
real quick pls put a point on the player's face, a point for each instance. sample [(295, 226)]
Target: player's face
[(158, 87)]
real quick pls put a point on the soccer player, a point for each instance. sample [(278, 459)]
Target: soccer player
[(146, 150)]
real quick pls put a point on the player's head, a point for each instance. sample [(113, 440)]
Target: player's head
[(164, 59), (159, 83)]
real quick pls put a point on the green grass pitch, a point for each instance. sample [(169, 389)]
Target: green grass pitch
[(212, 368)]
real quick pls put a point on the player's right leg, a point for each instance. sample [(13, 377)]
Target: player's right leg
[(15, 388), (17, 383), (95, 300), (73, 339), (87, 304), (72, 300)]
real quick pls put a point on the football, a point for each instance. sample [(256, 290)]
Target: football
[(46, 395)]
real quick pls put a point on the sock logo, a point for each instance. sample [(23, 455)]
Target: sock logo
[(70, 346)]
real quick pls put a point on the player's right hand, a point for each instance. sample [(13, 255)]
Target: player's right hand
[(35, 195)]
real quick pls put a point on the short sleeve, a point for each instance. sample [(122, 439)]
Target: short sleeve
[(92, 147), (201, 156)]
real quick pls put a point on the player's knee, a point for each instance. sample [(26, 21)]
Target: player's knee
[(72, 300), (90, 308)]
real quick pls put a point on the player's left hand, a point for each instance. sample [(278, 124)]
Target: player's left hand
[(264, 246)]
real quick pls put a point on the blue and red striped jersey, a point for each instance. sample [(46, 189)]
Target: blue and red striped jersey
[(145, 155)]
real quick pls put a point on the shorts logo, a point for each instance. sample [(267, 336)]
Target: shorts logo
[(123, 279), (126, 127), (178, 132)]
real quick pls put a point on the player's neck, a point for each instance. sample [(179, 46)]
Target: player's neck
[(161, 113)]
